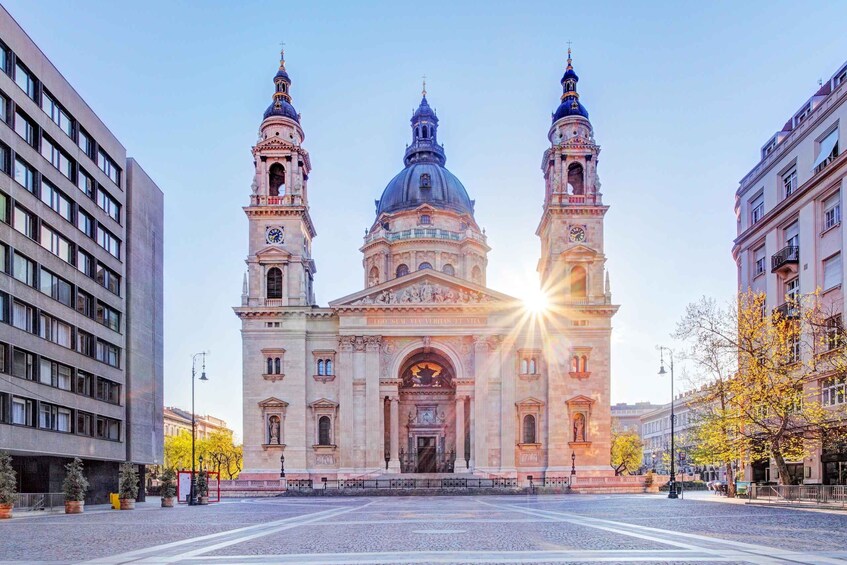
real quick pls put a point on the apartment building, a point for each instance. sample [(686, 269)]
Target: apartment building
[(627, 417), (656, 432), (177, 421), (791, 241), (81, 230)]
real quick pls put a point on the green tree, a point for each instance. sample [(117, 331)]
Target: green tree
[(178, 451), (626, 451), (222, 455)]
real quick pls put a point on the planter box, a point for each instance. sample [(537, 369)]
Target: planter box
[(127, 504), (74, 506), (6, 511), (168, 502)]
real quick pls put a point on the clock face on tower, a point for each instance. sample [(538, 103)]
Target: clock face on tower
[(274, 235), (576, 234)]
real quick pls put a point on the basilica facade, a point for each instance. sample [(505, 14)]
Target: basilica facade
[(426, 369)]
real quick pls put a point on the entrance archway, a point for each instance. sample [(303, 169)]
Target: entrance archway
[(427, 414)]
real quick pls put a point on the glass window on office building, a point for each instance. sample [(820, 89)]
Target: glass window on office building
[(25, 80)]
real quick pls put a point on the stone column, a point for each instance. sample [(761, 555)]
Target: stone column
[(346, 426), (374, 440), (394, 440), (460, 435), (472, 434), (508, 363)]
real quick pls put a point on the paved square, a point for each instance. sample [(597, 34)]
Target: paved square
[(429, 529)]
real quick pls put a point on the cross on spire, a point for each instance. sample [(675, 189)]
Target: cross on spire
[(423, 91), (281, 54)]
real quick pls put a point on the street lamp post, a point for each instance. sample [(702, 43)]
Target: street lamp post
[(192, 497), (573, 463), (672, 481)]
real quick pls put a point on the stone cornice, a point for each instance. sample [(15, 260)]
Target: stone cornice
[(270, 211), (281, 312)]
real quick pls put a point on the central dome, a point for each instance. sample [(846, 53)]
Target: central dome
[(424, 183), (425, 180)]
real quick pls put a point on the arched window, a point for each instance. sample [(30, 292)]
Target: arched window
[(274, 280), (575, 178), (424, 265), (324, 431), (402, 270), (584, 364), (373, 277), (276, 180), (529, 428), (328, 366), (532, 366), (320, 366), (425, 132), (575, 364), (417, 132), (476, 275), (270, 366), (426, 219), (277, 366), (426, 180), (524, 366), (448, 270), (578, 287)]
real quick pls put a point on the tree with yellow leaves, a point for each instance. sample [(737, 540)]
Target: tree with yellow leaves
[(762, 400), (626, 451)]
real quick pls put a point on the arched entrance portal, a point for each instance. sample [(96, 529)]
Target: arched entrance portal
[(427, 414)]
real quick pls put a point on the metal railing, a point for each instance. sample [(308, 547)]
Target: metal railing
[(308, 485), (829, 495), (31, 501), (425, 233), (786, 255)]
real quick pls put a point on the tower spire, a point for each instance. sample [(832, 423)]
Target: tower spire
[(281, 103), (570, 104), (423, 90)]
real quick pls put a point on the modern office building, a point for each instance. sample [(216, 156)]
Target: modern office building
[(791, 241), (81, 232)]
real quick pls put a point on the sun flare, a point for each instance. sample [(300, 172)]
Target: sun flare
[(536, 301)]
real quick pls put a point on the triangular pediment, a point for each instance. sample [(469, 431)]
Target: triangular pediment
[(424, 288), (273, 253), (273, 402), (578, 252), (323, 403), (580, 400), (529, 402)]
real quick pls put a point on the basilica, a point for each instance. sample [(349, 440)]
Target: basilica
[(426, 369)]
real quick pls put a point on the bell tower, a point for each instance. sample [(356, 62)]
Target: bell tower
[(572, 265), (279, 264)]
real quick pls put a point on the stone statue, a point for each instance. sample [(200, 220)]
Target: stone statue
[(255, 186), (425, 293), (273, 430), (579, 427)]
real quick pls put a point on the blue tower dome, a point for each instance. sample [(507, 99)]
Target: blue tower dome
[(281, 105), (425, 179), (570, 105)]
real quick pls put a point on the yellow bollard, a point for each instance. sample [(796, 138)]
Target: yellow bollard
[(116, 503)]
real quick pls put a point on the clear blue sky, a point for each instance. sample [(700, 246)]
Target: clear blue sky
[(681, 95)]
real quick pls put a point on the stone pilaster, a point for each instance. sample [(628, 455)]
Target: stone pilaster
[(394, 441), (375, 427), (346, 415)]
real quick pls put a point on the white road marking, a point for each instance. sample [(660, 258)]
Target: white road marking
[(720, 547), (239, 534)]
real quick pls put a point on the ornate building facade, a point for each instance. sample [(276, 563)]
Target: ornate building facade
[(426, 369)]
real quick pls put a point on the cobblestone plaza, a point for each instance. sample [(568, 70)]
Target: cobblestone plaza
[(426, 529)]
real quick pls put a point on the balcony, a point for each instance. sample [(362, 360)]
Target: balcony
[(788, 310), (424, 233), (786, 260)]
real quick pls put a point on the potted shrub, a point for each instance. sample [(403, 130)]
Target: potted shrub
[(202, 488), (168, 485), (74, 487), (128, 486), (8, 486)]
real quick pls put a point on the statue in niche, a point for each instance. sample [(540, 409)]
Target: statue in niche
[(579, 428), (273, 430), (255, 186)]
